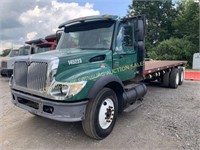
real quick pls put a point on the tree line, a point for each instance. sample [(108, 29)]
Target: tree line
[(5, 52), (172, 28)]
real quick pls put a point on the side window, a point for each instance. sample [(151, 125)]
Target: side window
[(128, 36), (124, 40), (119, 40)]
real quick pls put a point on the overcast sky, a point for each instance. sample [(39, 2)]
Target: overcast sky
[(22, 20)]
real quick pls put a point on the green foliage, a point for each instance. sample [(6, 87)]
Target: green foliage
[(173, 28), (187, 22), (173, 49), (5, 52), (160, 15)]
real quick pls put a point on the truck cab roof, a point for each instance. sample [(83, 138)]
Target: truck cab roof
[(52, 37), (37, 41), (89, 18)]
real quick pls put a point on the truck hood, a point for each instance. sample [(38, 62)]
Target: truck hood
[(4, 58), (67, 57)]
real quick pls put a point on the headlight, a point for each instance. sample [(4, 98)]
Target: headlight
[(53, 69), (52, 74), (64, 90)]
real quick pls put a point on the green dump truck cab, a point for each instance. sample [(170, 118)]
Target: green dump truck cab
[(89, 78)]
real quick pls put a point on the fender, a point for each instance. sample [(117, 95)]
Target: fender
[(100, 83)]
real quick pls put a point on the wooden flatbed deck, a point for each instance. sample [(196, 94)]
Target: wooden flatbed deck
[(154, 66)]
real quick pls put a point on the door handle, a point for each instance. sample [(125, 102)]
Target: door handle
[(121, 56)]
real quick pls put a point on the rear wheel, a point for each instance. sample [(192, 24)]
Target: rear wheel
[(181, 76), (174, 78), (101, 114), (166, 77)]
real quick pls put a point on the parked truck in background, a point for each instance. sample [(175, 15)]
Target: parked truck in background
[(3, 64), (93, 75), (43, 45), (33, 47), (12, 53)]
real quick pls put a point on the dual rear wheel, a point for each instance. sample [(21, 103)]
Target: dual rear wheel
[(174, 78)]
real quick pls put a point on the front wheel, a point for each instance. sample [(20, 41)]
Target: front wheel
[(101, 114)]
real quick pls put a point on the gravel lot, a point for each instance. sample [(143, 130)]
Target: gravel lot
[(167, 119)]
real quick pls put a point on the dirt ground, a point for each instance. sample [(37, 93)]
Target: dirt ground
[(168, 119)]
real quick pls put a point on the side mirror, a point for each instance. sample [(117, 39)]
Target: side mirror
[(33, 49), (140, 28)]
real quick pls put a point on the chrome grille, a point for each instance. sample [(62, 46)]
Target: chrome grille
[(37, 75), (31, 76), (4, 64), (20, 73)]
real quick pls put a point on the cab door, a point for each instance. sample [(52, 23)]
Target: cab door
[(124, 54)]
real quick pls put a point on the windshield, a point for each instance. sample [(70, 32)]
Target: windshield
[(43, 49), (89, 35), (14, 53), (24, 51)]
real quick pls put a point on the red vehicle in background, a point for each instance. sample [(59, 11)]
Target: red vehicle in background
[(42, 45)]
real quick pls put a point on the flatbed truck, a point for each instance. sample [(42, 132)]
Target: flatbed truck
[(95, 73)]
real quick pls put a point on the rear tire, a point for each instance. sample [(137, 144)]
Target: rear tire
[(181, 76), (166, 77), (174, 78), (101, 114)]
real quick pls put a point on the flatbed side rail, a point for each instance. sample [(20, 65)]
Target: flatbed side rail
[(154, 66)]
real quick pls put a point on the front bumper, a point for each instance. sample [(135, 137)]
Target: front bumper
[(6, 72), (60, 111)]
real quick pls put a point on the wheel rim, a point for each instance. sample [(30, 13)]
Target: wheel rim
[(106, 113), (177, 78)]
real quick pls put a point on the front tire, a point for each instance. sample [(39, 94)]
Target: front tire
[(101, 114)]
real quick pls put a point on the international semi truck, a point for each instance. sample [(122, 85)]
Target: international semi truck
[(94, 74)]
